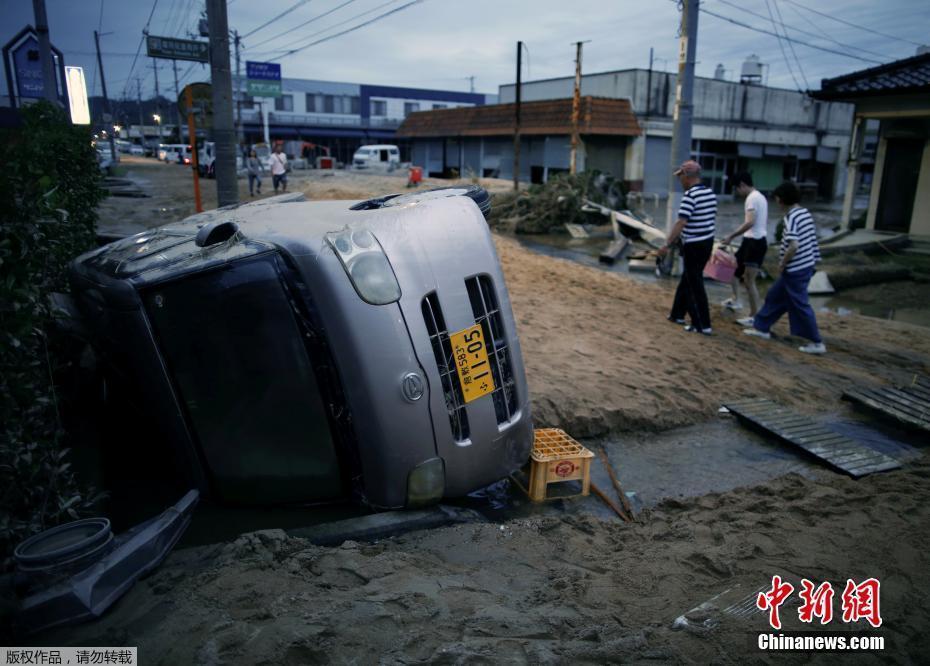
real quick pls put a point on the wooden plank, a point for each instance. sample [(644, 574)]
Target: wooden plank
[(918, 390), (784, 422), (921, 406), (812, 441), (881, 398), (898, 399), (872, 467), (884, 409), (837, 450), (809, 428)]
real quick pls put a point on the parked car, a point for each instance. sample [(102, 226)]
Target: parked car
[(206, 160), (379, 156), (136, 149), (183, 154), (297, 351), (168, 152)]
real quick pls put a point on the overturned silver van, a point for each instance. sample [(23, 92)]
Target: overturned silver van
[(297, 351)]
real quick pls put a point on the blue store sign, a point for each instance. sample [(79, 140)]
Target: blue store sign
[(24, 67)]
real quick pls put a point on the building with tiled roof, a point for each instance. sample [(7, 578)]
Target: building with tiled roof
[(479, 139), (892, 100)]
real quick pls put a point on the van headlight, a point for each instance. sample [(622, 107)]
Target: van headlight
[(367, 266), (426, 483)]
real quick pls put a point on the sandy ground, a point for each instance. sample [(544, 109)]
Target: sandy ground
[(600, 357), (571, 590), (171, 191)]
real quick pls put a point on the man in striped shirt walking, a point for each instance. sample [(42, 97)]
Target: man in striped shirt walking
[(799, 254), (697, 218)]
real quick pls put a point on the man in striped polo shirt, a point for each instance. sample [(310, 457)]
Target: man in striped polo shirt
[(799, 254), (697, 217)]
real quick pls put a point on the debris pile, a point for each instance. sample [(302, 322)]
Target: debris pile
[(549, 206)]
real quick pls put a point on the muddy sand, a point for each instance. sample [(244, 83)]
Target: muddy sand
[(600, 357), (570, 590)]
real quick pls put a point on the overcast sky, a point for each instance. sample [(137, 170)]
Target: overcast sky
[(440, 43)]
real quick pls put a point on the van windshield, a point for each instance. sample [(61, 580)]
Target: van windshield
[(247, 381)]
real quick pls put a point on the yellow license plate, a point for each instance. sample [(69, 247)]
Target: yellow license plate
[(471, 362)]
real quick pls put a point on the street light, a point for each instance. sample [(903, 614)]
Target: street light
[(117, 128), (157, 118)]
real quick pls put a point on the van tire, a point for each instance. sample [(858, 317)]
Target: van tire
[(474, 192)]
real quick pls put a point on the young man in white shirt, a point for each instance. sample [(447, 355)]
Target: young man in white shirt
[(752, 250), (279, 169)]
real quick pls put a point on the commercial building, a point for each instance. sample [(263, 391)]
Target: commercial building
[(772, 132), (896, 97), (775, 134), (341, 116), (480, 140)]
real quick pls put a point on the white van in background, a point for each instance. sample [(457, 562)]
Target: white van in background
[(379, 156), (168, 152)]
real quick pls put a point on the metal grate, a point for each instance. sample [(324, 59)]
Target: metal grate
[(445, 360), (485, 307)]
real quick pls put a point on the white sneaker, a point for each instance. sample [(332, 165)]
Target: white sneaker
[(813, 348), (730, 304), (757, 333), (745, 321)]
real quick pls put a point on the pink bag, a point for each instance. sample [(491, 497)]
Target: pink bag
[(721, 267)]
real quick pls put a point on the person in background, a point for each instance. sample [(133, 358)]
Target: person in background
[(255, 167), (751, 252), (279, 169), (697, 217), (799, 254)]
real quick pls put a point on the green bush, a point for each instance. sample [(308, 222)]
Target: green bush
[(48, 198)]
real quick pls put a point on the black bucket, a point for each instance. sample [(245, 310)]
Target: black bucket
[(62, 551)]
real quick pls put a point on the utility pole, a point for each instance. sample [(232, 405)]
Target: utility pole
[(649, 85), (224, 133), (50, 88), (684, 109), (471, 83), (108, 118), (141, 115), (240, 135), (177, 95), (157, 102), (516, 121), (576, 111)]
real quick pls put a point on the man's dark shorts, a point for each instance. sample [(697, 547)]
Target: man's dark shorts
[(278, 180), (751, 253)]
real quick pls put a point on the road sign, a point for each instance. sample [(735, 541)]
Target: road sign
[(202, 98), (177, 49), (263, 79)]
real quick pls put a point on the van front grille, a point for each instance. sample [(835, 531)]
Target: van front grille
[(486, 309), (445, 361)]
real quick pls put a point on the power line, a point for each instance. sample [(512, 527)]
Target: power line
[(287, 11), (854, 25), (790, 39), (822, 35), (139, 48), (184, 16), (300, 40), (784, 29), (781, 46), (354, 28), (307, 22)]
